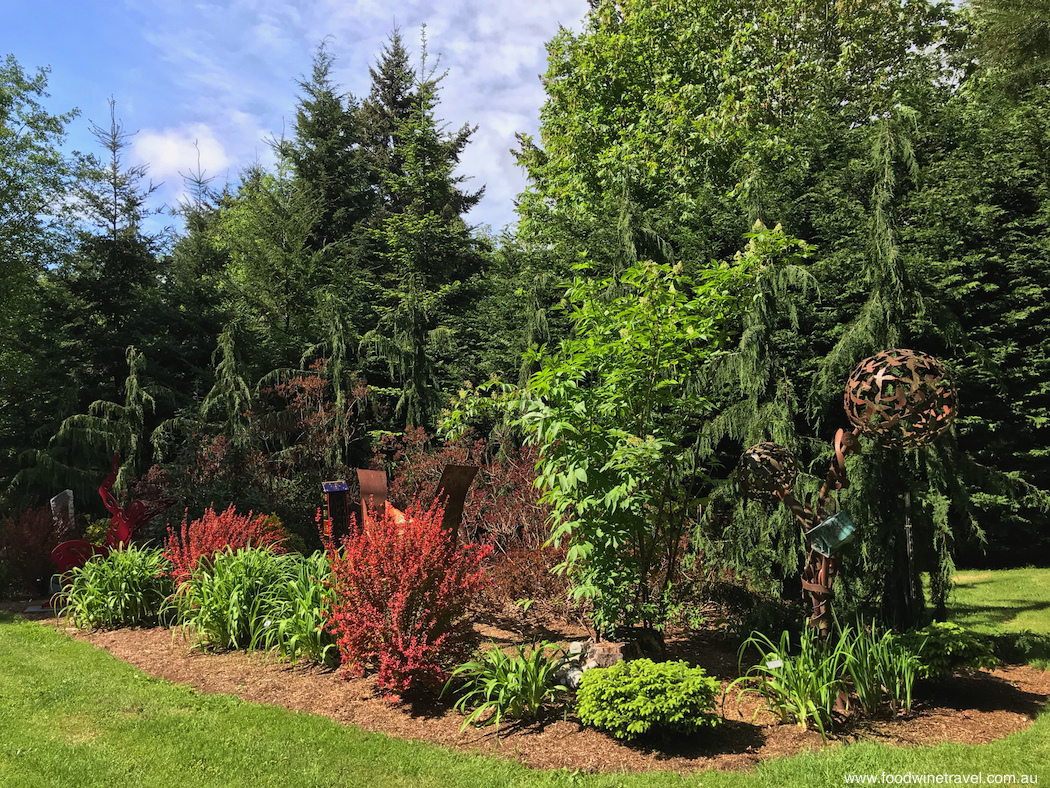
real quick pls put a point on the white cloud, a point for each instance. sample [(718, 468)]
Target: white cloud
[(230, 68)]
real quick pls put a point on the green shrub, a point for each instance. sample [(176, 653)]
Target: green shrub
[(638, 696), (943, 647), (128, 587), (1025, 647), (500, 686), (800, 688)]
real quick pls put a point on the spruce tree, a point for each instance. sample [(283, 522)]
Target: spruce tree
[(424, 245)]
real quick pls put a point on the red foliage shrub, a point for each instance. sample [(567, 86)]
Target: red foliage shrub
[(213, 533), (503, 509), (528, 574), (400, 592), (503, 506), (26, 542)]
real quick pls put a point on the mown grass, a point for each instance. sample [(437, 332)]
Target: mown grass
[(1005, 600), (72, 715)]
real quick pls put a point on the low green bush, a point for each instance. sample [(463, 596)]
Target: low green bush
[(943, 647), (1025, 647), (126, 588), (499, 685), (640, 696)]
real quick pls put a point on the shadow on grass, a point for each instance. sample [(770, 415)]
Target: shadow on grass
[(996, 615)]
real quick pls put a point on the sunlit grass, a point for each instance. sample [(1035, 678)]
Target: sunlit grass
[(1004, 600)]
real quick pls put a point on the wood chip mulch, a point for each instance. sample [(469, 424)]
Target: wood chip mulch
[(970, 709)]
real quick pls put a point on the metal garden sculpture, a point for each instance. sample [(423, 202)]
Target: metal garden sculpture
[(124, 523), (901, 399), (451, 493)]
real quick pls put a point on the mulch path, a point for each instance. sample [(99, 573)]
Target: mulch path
[(970, 709)]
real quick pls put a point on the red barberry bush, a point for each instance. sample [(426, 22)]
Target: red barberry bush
[(212, 533), (400, 594)]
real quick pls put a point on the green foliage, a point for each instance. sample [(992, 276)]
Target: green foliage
[(499, 686), (298, 609), (424, 244), (879, 666), (802, 688), (1025, 647), (230, 601), (942, 647), (640, 696), (126, 588), (612, 410)]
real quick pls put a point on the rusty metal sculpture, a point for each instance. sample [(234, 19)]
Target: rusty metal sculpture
[(765, 471), (450, 493), (125, 521), (901, 399)]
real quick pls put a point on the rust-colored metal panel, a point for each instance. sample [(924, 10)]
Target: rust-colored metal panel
[(373, 492), (452, 493)]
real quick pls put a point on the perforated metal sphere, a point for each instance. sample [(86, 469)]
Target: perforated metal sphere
[(765, 470), (902, 399)]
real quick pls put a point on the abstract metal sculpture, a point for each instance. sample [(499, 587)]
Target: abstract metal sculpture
[(765, 471), (451, 493), (122, 525), (902, 399)]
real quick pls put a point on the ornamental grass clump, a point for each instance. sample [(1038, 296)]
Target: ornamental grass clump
[(126, 588), (640, 696), (499, 685), (801, 688), (400, 593), (228, 602), (879, 668), (299, 607)]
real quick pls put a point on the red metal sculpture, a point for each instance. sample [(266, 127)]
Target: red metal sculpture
[(123, 524)]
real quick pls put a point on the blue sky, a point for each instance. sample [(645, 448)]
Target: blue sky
[(223, 74)]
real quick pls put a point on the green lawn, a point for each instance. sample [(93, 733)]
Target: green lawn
[(1006, 600), (72, 716)]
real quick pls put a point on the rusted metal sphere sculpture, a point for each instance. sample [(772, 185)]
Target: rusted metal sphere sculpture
[(902, 399), (766, 471)]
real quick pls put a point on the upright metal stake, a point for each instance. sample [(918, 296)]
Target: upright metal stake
[(907, 539)]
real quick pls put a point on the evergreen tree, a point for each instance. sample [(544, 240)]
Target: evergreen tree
[(425, 245), (34, 181)]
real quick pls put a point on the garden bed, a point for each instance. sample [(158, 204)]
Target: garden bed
[(970, 709)]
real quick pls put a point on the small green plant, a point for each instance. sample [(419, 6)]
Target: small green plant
[(879, 667), (229, 601), (802, 688), (128, 587), (498, 685), (942, 647), (638, 696), (1025, 647), (298, 609)]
